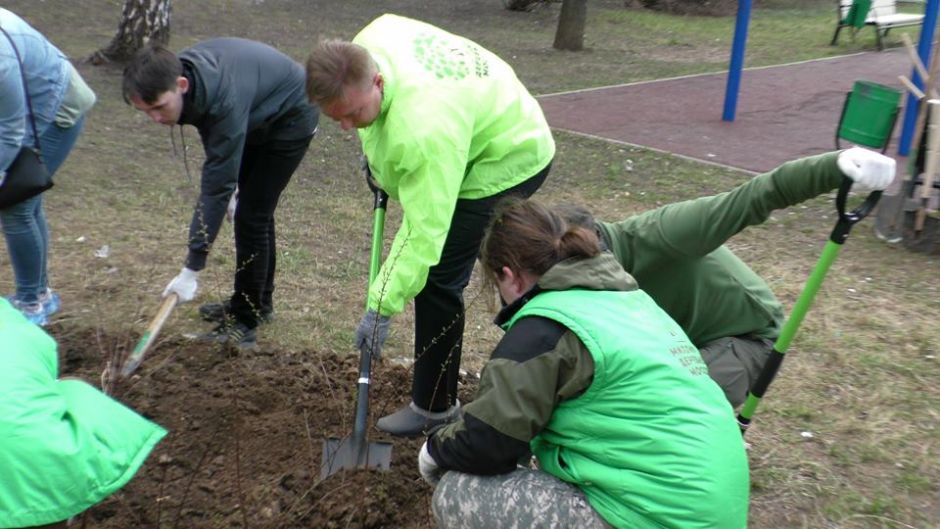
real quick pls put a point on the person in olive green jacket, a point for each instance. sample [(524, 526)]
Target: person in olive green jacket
[(677, 255), (447, 129), (600, 384), (64, 445)]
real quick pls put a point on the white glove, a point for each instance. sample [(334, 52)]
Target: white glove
[(427, 467), (232, 204), (870, 170), (184, 285)]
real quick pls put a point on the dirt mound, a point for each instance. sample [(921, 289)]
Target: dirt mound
[(246, 436)]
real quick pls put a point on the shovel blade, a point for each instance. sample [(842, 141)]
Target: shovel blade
[(343, 454)]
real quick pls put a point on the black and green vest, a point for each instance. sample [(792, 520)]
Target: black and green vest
[(652, 442)]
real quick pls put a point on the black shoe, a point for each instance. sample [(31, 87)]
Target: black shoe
[(219, 312), (234, 334)]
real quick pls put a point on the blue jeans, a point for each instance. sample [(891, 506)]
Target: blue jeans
[(24, 224)]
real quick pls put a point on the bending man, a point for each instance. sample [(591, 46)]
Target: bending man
[(247, 101), (448, 129)]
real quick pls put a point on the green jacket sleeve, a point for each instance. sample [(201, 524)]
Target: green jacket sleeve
[(697, 227), (428, 169)]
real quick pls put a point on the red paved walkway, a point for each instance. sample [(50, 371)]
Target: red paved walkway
[(784, 112)]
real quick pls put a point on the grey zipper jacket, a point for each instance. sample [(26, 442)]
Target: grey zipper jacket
[(241, 93)]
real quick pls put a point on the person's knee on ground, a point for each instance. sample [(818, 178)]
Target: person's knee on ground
[(735, 363), (521, 498)]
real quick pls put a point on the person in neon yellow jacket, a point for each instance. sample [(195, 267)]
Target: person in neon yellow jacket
[(64, 445), (447, 129)]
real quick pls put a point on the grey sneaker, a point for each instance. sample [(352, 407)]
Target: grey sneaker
[(412, 421)]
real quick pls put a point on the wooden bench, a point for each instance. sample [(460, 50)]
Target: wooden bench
[(882, 14)]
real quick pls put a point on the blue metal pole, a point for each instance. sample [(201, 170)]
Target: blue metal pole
[(923, 50), (737, 59)]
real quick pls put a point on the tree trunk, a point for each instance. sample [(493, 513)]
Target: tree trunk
[(142, 22), (570, 33)]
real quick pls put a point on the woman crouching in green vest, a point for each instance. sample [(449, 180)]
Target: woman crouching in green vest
[(600, 385), (64, 445)]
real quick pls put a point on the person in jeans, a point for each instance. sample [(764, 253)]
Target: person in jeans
[(64, 445), (247, 101), (60, 99), (447, 129), (600, 385)]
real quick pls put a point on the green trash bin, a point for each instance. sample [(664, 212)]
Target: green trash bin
[(868, 115)]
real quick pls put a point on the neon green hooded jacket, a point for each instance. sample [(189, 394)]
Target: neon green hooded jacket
[(64, 445), (455, 123)]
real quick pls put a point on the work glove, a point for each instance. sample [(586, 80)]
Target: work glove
[(184, 285), (232, 204), (427, 467), (372, 332), (870, 170)]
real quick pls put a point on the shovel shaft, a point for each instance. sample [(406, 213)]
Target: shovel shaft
[(838, 236), (792, 325), (357, 452), (137, 355), (358, 440)]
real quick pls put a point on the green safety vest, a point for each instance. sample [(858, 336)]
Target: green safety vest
[(652, 442)]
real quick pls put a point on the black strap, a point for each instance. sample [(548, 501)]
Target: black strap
[(29, 102)]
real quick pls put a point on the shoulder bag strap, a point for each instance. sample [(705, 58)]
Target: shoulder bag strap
[(29, 102)]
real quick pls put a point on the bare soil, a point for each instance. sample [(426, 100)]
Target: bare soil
[(246, 437)]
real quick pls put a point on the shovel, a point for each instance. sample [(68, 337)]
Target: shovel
[(356, 451), (137, 355), (838, 236)]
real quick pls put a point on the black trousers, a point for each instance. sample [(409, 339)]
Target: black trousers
[(439, 307), (265, 171)]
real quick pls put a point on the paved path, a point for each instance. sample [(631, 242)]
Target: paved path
[(784, 112)]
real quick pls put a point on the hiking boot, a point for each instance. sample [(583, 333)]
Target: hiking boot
[(219, 312), (233, 334), (33, 311), (412, 421)]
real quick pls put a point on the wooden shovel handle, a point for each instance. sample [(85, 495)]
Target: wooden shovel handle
[(150, 334)]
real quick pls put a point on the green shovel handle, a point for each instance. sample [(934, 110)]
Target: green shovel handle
[(379, 204), (831, 250)]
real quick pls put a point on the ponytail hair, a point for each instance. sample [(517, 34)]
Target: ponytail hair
[(528, 237)]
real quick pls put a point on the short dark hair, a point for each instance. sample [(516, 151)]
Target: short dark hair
[(153, 71)]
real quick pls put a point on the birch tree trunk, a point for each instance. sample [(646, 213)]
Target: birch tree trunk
[(142, 22)]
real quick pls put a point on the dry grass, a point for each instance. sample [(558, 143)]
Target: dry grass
[(860, 377)]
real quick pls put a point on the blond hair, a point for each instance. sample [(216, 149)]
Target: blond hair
[(335, 64)]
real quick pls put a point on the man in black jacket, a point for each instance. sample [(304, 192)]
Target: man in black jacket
[(248, 103)]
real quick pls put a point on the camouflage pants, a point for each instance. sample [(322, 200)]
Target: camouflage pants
[(524, 498)]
